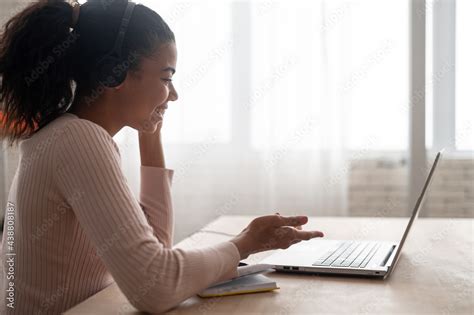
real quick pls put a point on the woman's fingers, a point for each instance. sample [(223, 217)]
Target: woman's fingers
[(290, 221), (295, 242), (307, 235), (297, 226)]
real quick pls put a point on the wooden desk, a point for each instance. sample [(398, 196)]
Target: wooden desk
[(434, 274)]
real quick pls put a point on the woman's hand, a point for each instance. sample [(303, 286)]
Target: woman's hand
[(149, 139), (272, 232), (155, 121)]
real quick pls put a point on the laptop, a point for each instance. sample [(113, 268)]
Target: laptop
[(347, 257)]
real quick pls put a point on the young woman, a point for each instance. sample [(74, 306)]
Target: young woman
[(72, 77)]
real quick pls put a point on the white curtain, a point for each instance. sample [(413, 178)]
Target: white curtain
[(297, 110), (259, 126)]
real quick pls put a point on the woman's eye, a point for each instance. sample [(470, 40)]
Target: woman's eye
[(167, 80)]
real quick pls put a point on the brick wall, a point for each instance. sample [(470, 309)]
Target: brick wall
[(378, 186), (452, 194)]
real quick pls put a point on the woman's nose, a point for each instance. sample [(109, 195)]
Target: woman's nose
[(173, 94)]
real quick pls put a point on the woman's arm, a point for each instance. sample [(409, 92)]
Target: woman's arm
[(155, 186), (152, 277), (156, 202), (151, 149)]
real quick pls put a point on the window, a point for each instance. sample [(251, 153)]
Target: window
[(202, 80), (449, 64), (279, 63), (377, 86), (464, 71), (301, 57), (343, 54)]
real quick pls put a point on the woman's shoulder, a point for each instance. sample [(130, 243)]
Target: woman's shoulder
[(64, 127), (71, 123), (66, 123), (69, 129)]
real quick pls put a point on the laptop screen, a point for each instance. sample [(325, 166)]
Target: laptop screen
[(417, 208)]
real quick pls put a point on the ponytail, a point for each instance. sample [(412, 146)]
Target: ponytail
[(34, 67)]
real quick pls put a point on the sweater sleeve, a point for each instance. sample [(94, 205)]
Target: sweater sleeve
[(152, 277), (155, 200)]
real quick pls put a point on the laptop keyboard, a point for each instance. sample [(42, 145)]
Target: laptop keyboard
[(351, 254)]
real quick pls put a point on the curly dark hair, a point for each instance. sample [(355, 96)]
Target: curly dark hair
[(45, 65)]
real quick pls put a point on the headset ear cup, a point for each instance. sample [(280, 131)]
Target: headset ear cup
[(120, 74), (110, 71), (105, 70)]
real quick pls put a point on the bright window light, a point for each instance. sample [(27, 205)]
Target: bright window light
[(464, 71)]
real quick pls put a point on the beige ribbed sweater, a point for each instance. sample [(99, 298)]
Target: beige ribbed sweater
[(76, 227)]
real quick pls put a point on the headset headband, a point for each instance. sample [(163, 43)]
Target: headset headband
[(123, 28)]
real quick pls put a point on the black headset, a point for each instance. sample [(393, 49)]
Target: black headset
[(110, 71)]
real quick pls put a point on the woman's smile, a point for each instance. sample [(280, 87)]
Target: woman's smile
[(160, 110)]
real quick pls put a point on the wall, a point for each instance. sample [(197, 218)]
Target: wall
[(378, 184), (378, 187)]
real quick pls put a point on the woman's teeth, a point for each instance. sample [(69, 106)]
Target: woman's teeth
[(158, 113), (160, 109)]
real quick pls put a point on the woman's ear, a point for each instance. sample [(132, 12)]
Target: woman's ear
[(118, 87), (129, 78), (124, 82)]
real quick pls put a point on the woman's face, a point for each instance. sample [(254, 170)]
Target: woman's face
[(150, 89)]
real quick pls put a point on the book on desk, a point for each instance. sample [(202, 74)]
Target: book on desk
[(249, 280), (247, 284)]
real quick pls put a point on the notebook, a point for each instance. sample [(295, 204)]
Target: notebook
[(245, 269), (246, 284)]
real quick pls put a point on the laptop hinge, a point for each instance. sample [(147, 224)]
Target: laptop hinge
[(388, 256)]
